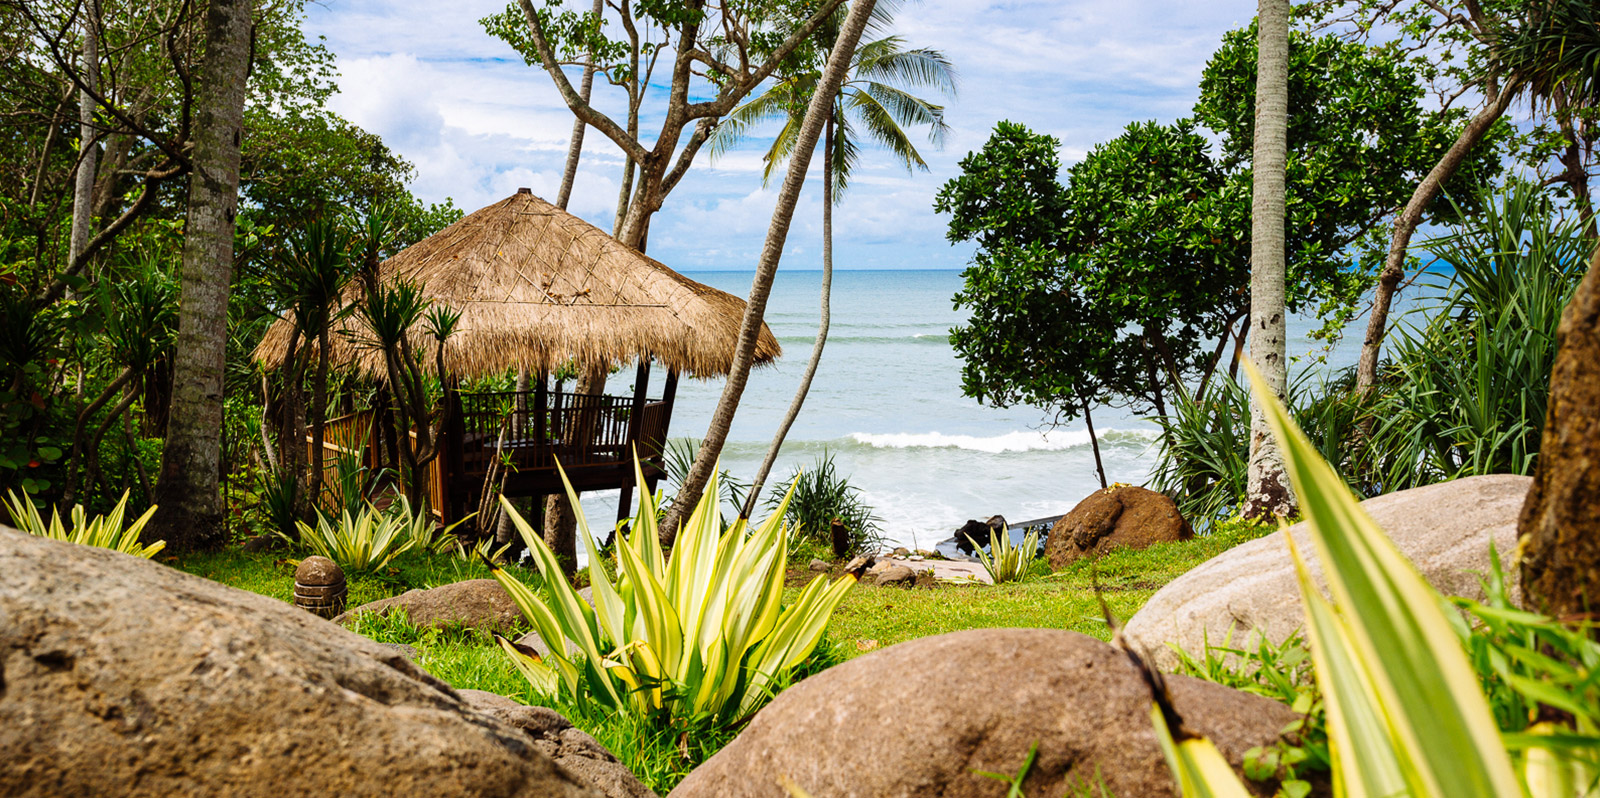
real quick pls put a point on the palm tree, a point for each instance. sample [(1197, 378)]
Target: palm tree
[(1268, 493), (876, 102), (833, 74)]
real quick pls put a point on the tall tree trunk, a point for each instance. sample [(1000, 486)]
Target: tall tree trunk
[(822, 326), (88, 138), (190, 512), (575, 144), (744, 351), (1268, 493), (1406, 223), (1560, 524)]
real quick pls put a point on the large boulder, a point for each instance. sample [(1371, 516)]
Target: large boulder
[(570, 747), (1121, 515), (478, 603), (1251, 590), (120, 676), (911, 720)]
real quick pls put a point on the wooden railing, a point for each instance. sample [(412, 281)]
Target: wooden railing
[(576, 429)]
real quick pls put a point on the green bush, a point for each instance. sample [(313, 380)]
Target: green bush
[(812, 498), (1462, 394)]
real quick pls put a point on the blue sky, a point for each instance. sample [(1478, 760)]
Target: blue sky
[(479, 123)]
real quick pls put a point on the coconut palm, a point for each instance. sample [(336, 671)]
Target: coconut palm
[(875, 103), (1268, 492)]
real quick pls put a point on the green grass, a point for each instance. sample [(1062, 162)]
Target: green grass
[(1064, 600), (869, 618)]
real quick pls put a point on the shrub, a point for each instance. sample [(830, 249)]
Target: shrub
[(360, 543), (699, 638), (105, 531), (814, 498)]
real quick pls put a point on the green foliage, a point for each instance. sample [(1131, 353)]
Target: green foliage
[(363, 542), (813, 498), (105, 531), (1107, 289), (1464, 392), (679, 458), (700, 638), (1407, 710), (1006, 561)]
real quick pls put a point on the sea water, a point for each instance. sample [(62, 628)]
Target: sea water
[(887, 404)]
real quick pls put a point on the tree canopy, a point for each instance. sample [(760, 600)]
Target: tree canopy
[(1125, 281)]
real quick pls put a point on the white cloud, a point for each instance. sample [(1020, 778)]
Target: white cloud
[(479, 123)]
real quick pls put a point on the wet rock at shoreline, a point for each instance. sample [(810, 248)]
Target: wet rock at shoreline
[(1118, 516)]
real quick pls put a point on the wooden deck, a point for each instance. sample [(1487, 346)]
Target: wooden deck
[(593, 436)]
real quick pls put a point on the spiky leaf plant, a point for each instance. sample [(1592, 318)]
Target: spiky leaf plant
[(105, 531), (700, 636), (1006, 561)]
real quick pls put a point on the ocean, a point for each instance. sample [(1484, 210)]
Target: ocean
[(887, 403)]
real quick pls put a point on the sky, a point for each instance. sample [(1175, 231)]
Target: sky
[(478, 123)]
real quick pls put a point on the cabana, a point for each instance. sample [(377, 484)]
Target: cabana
[(542, 290)]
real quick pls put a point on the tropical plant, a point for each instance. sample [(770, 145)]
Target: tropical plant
[(876, 98), (820, 495), (361, 542), (678, 458), (1407, 714), (701, 636), (1006, 561), (106, 531)]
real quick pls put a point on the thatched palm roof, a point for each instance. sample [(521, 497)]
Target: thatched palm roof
[(537, 286)]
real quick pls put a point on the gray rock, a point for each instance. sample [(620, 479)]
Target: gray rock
[(478, 603), (125, 677), (896, 576), (911, 720), (902, 551), (570, 747), (409, 652), (1251, 589), (818, 565)]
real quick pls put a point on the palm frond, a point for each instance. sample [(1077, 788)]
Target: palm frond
[(881, 111), (921, 68)]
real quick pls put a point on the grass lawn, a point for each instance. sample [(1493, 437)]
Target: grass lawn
[(868, 618)]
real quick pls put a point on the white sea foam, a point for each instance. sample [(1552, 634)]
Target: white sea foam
[(1022, 441)]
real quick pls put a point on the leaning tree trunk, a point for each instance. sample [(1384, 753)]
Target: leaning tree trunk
[(1268, 493), (1560, 524), (190, 512), (1406, 223), (822, 327), (88, 146), (744, 351)]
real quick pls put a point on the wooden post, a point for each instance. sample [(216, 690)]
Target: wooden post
[(668, 393), (452, 462), (641, 382)]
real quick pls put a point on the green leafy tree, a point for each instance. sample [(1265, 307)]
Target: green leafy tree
[(1107, 289)]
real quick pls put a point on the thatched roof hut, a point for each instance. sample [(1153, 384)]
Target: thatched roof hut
[(537, 287)]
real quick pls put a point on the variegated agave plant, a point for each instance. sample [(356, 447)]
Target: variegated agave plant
[(701, 635)]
